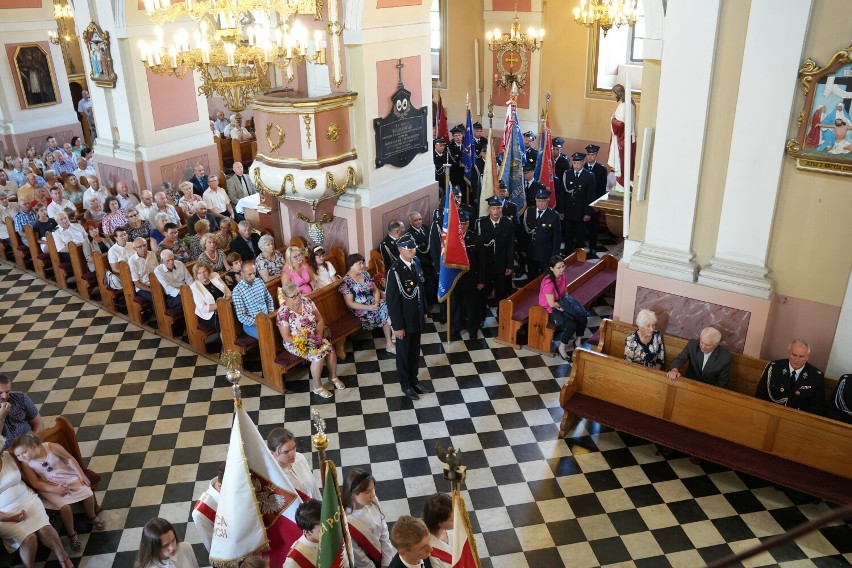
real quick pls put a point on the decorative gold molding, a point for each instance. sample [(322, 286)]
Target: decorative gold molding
[(349, 181), (273, 146), (301, 164), (310, 184), (273, 104), (307, 119), (333, 132), (263, 188)]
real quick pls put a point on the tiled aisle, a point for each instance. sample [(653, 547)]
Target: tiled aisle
[(154, 418)]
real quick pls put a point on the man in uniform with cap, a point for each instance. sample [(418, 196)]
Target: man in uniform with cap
[(407, 309), (600, 172), (498, 249), (420, 233), (439, 156), (480, 140), (467, 295), (522, 243), (561, 164), (574, 210), (544, 233), (456, 150), (531, 153)]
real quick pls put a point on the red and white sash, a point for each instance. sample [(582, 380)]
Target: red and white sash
[(362, 534)]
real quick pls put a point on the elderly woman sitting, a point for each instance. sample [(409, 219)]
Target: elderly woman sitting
[(158, 233), (114, 217), (270, 262), (645, 345), (202, 229), (23, 520), (207, 287), (210, 255), (95, 212), (302, 328), (188, 199)]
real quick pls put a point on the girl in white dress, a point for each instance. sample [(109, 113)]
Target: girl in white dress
[(160, 547), (282, 444), (59, 480), (438, 517), (23, 520), (326, 273), (371, 546)]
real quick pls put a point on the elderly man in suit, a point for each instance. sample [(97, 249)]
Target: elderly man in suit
[(239, 185), (793, 382), (706, 361)]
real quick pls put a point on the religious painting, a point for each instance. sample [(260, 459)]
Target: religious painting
[(100, 57), (824, 137), (35, 76)]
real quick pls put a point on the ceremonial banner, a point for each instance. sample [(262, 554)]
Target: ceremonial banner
[(487, 189), (468, 150), (464, 547), (331, 546), (544, 165), (257, 503), (441, 120), (454, 261), (512, 173)]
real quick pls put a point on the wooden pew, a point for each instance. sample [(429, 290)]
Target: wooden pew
[(515, 310), (20, 251), (242, 151), (339, 320), (86, 281), (232, 335), (111, 299), (40, 259), (337, 258), (274, 359), (745, 370), (62, 270), (796, 449), (5, 251), (225, 153), (586, 288), (135, 304), (166, 317), (376, 263), (197, 329)]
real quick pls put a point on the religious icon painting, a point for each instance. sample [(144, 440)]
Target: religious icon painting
[(100, 56), (34, 77), (823, 140)]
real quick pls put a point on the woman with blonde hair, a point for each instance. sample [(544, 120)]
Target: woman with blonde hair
[(297, 271), (211, 256), (207, 287), (188, 199)]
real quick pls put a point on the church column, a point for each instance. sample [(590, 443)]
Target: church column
[(685, 87), (751, 188)]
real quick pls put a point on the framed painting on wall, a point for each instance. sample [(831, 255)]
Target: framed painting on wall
[(100, 56), (823, 139), (35, 76)]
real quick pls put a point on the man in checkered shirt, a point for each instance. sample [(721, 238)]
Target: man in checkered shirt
[(18, 412), (251, 298)]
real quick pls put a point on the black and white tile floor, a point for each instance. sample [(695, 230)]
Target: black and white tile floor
[(154, 418)]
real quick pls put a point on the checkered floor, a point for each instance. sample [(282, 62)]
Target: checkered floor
[(153, 418)]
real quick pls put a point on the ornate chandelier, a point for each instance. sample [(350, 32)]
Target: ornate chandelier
[(512, 48), (64, 16), (606, 13), (237, 42)]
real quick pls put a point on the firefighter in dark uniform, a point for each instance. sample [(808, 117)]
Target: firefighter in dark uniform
[(573, 206), (498, 249), (522, 242), (419, 231), (561, 164), (388, 246), (456, 149), (600, 172), (405, 300), (480, 140), (439, 156), (544, 233), (466, 300), (529, 150)]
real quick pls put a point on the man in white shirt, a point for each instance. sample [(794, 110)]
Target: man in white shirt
[(7, 209), (147, 206), (66, 233), (125, 199), (7, 186), (162, 205), (304, 551), (221, 123), (95, 190), (84, 169), (17, 175), (59, 203), (172, 273), (142, 264), (236, 131), (216, 199), (118, 252)]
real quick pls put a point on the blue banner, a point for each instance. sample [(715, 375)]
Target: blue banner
[(513, 166)]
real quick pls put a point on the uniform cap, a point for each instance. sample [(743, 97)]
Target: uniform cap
[(592, 149), (577, 156), (406, 242)]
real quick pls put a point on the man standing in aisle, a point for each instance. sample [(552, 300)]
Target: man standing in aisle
[(407, 308)]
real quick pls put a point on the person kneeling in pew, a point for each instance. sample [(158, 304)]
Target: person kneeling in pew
[(793, 382), (706, 360)]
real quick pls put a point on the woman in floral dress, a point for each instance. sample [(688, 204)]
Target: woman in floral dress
[(365, 299)]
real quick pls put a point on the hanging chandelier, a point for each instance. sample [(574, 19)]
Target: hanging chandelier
[(606, 13), (64, 16), (511, 49), (237, 42)]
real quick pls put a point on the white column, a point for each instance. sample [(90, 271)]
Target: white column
[(755, 162), (685, 85)]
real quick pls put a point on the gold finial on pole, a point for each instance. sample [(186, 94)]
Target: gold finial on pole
[(232, 361), (454, 471), (490, 110)]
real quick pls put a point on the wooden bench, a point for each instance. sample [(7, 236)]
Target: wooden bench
[(134, 303), (111, 299), (20, 251), (586, 288), (745, 370), (339, 320), (167, 317), (197, 329), (515, 310), (231, 333), (86, 281), (40, 259), (63, 271), (796, 449)]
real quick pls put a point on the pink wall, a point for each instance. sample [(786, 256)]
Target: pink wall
[(387, 79), (173, 100), (791, 318), (509, 5), (17, 143), (323, 120), (179, 167), (11, 4), (292, 145), (397, 3)]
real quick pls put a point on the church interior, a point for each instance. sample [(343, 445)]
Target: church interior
[(732, 222)]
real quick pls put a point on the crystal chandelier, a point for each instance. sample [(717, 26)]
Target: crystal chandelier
[(606, 13), (235, 44), (64, 16), (511, 49)]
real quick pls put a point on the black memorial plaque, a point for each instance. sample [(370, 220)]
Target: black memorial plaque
[(401, 134)]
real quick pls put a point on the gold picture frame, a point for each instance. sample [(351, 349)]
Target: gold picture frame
[(823, 141), (35, 76), (100, 56)]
